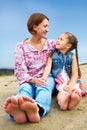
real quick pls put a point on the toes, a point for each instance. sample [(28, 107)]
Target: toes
[(14, 100), (20, 100)]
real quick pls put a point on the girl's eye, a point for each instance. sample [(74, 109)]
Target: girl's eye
[(60, 39)]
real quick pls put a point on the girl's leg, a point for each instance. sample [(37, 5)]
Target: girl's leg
[(11, 107), (63, 99), (27, 102), (74, 100), (75, 96), (44, 96)]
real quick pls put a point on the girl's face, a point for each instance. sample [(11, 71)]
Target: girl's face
[(63, 43), (41, 29)]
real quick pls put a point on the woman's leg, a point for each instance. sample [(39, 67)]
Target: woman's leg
[(27, 103), (12, 104), (44, 96), (11, 107)]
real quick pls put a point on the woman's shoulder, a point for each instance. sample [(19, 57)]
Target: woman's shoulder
[(51, 43), (51, 40), (21, 43)]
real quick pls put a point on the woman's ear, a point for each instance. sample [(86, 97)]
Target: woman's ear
[(34, 27)]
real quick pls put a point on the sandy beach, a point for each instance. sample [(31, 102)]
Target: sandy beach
[(75, 119)]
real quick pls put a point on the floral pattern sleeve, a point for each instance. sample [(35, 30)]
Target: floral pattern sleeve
[(21, 70)]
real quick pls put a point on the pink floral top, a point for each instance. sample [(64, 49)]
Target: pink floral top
[(29, 62)]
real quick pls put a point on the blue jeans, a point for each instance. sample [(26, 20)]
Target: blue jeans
[(42, 95)]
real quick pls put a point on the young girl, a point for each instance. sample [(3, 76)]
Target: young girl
[(65, 69)]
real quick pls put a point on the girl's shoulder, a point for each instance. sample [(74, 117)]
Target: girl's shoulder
[(70, 54)]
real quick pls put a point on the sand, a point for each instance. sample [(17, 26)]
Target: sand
[(75, 119)]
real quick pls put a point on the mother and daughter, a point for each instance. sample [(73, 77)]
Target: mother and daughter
[(40, 65)]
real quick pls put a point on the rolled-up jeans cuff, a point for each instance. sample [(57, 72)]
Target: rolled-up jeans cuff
[(11, 117)]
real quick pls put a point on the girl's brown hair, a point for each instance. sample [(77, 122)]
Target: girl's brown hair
[(74, 42), (35, 19)]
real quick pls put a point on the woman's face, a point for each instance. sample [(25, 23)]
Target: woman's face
[(42, 29)]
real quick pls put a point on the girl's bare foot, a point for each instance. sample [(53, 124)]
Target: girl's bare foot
[(30, 107), (75, 99), (11, 107), (63, 100)]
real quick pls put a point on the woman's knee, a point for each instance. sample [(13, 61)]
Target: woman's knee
[(26, 89), (51, 83)]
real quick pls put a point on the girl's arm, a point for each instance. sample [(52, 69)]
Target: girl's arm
[(74, 74), (42, 81), (48, 67)]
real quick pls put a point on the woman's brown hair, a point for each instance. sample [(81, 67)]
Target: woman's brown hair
[(35, 19)]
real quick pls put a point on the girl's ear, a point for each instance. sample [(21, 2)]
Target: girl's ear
[(68, 46)]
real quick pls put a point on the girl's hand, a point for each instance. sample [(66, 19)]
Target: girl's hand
[(67, 88)]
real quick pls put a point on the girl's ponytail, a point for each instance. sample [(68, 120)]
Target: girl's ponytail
[(79, 71)]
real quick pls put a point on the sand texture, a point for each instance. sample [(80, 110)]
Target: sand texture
[(75, 119)]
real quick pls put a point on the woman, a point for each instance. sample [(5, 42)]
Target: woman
[(33, 100)]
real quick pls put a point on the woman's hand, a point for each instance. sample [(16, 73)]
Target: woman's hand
[(38, 81)]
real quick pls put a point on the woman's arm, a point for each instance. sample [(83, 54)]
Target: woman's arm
[(21, 70)]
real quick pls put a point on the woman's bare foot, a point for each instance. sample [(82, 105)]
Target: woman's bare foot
[(63, 100), (11, 107), (30, 107), (75, 99)]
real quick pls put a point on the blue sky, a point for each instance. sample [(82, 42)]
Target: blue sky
[(64, 15)]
